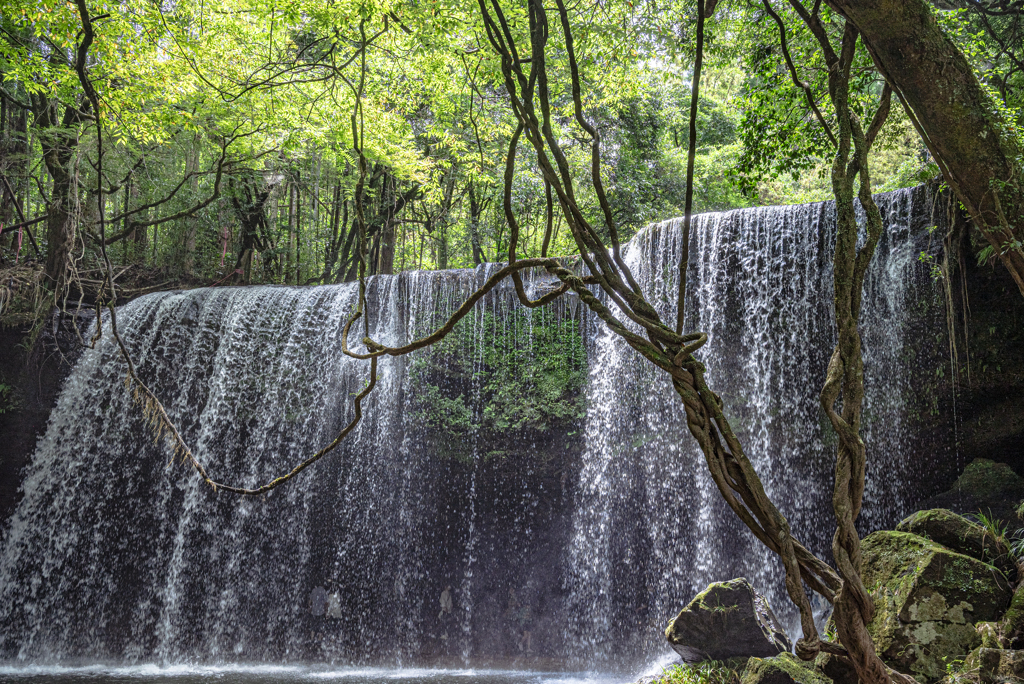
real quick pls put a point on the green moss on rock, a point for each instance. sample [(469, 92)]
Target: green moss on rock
[(995, 665), (986, 479), (1012, 625), (727, 620), (927, 599), (784, 668), (959, 534)]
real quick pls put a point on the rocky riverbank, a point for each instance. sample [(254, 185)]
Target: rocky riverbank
[(948, 593)]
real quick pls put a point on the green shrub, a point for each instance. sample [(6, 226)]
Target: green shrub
[(707, 672)]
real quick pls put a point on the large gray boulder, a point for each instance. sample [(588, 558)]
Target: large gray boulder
[(727, 620), (959, 534), (927, 599)]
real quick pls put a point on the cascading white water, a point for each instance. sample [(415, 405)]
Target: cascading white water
[(562, 530), (650, 528)]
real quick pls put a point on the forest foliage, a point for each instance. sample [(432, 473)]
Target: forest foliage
[(229, 135)]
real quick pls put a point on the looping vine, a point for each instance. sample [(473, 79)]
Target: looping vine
[(666, 347)]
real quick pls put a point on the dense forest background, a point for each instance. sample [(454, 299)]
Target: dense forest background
[(228, 133)]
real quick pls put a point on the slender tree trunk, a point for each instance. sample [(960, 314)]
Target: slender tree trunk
[(291, 260), (140, 234), (351, 255), (298, 234), (156, 240), (333, 244), (20, 148), (386, 262), (441, 247), (346, 251), (476, 208), (188, 262)]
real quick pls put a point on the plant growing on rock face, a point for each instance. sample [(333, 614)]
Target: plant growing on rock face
[(994, 528), (9, 400), (509, 372), (1016, 546), (956, 673)]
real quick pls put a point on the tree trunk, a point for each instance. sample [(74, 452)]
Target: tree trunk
[(476, 209), (350, 256), (291, 259), (386, 260), (59, 142), (249, 208), (333, 245), (956, 118), (140, 234), (60, 224), (188, 261), (441, 247), (298, 234)]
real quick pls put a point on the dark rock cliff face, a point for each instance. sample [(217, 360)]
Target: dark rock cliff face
[(992, 397), (988, 408), (33, 370)]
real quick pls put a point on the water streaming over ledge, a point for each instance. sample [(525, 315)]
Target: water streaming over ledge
[(570, 520)]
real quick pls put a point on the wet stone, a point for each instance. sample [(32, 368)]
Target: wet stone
[(727, 620)]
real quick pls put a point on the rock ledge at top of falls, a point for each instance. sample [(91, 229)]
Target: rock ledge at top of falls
[(959, 534), (927, 599), (727, 620)]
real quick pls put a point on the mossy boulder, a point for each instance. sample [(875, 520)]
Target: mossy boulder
[(995, 665), (784, 668), (959, 534), (727, 620), (988, 479), (927, 599), (987, 486), (1011, 628)]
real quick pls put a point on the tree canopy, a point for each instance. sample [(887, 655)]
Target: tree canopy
[(230, 131)]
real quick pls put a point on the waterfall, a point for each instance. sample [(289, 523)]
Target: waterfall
[(532, 462), (650, 528)]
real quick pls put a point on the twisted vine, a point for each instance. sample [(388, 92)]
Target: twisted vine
[(667, 347)]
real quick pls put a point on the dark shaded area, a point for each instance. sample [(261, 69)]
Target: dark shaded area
[(992, 395), (988, 401), (33, 370)]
